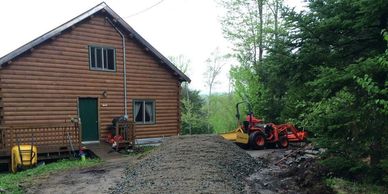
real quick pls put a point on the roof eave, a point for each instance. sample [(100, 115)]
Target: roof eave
[(50, 34)]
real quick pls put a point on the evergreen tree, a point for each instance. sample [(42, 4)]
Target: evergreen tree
[(326, 70)]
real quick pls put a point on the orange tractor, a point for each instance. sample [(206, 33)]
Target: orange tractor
[(252, 132)]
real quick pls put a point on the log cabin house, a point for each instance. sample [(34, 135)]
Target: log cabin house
[(94, 67)]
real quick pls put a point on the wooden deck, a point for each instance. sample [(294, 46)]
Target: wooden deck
[(51, 139), (104, 151)]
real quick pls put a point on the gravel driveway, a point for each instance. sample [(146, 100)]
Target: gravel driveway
[(195, 164), (191, 164)]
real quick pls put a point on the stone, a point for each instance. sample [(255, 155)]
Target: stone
[(315, 152)]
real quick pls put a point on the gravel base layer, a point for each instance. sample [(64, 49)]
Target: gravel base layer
[(191, 164)]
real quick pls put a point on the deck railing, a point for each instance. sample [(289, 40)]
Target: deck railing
[(47, 137)]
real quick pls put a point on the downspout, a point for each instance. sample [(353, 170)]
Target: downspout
[(124, 66)]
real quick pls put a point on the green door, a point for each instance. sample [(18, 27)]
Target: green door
[(89, 118)]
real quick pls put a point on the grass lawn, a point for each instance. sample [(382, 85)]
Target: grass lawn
[(10, 183)]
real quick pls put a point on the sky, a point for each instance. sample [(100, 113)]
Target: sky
[(174, 27)]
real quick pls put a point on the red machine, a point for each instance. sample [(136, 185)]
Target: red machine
[(257, 135)]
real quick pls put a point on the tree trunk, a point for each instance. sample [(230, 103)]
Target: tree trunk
[(375, 158), (208, 107), (276, 15), (261, 31), (376, 152)]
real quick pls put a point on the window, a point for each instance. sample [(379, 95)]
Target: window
[(102, 58), (144, 111)]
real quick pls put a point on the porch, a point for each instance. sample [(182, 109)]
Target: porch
[(52, 140)]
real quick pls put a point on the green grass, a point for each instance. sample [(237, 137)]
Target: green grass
[(11, 182), (342, 186)]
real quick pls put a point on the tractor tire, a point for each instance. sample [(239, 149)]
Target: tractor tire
[(257, 140), (283, 141)]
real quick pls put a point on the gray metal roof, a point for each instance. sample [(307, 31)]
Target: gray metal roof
[(118, 21)]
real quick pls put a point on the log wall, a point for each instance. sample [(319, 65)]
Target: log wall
[(43, 85)]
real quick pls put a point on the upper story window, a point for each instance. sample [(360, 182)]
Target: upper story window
[(144, 111), (102, 58)]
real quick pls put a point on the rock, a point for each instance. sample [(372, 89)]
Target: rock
[(2, 190), (287, 152), (309, 146), (322, 150), (310, 156), (315, 152)]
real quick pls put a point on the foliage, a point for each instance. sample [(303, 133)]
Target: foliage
[(325, 69), (342, 186), (181, 62), (343, 166), (194, 118), (214, 67), (346, 88), (223, 108), (255, 28), (11, 182)]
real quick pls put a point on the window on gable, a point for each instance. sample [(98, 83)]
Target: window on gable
[(102, 58), (144, 111)]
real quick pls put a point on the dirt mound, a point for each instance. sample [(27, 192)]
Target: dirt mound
[(308, 176), (295, 170), (191, 164), (305, 171)]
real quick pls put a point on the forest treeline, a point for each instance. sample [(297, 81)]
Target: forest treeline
[(324, 69)]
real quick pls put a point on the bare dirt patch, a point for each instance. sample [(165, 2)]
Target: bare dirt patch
[(97, 179)]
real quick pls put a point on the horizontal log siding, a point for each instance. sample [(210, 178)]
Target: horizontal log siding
[(43, 85)]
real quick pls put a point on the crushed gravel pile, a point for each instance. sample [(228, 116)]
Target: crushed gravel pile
[(191, 164)]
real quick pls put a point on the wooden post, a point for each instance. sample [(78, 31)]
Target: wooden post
[(133, 142)]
